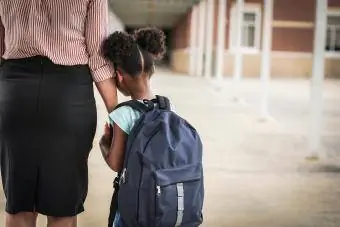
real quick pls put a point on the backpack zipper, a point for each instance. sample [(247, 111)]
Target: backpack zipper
[(141, 174), (137, 126), (158, 189), (122, 177)]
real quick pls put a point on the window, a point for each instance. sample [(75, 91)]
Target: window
[(251, 28), (333, 33)]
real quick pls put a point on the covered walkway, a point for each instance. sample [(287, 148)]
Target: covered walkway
[(271, 146), (224, 39), (256, 134), (255, 172)]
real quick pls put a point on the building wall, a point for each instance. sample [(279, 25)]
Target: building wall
[(333, 3), (292, 43), (293, 38), (180, 45), (333, 64), (283, 65)]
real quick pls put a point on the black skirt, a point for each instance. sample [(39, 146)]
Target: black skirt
[(47, 125)]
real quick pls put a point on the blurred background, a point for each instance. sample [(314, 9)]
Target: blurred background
[(260, 80)]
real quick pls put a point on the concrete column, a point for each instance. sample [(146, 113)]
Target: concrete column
[(239, 31), (221, 30), (209, 38), (201, 39), (318, 77), (193, 40), (266, 56)]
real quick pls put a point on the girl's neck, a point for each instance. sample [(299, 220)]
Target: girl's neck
[(142, 90), (143, 95)]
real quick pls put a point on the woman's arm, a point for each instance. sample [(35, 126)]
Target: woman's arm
[(2, 39), (107, 90), (115, 157), (95, 32)]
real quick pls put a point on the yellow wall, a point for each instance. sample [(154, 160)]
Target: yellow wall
[(283, 64), (332, 68), (180, 60)]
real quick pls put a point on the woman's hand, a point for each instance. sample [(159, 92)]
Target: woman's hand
[(106, 140), (108, 131)]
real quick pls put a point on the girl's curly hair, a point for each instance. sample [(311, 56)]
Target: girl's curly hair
[(136, 52)]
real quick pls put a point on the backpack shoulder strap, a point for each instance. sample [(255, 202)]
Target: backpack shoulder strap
[(136, 105)]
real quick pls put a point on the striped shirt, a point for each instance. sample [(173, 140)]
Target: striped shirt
[(68, 32)]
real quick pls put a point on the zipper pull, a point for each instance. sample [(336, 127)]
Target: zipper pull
[(158, 190), (122, 177)]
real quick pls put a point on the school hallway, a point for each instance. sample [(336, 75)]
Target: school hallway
[(256, 174)]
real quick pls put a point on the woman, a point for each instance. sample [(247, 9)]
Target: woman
[(50, 56)]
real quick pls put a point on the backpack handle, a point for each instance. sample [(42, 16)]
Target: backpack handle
[(134, 104), (147, 105), (163, 102)]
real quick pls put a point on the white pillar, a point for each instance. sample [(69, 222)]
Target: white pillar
[(209, 38), (193, 40), (238, 51), (201, 39), (318, 76), (266, 56), (221, 30), (114, 23)]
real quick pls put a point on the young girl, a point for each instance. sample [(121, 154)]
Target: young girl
[(133, 57)]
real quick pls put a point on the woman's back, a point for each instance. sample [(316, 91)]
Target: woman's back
[(51, 53), (65, 31)]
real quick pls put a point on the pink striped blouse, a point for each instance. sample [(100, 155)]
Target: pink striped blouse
[(69, 32)]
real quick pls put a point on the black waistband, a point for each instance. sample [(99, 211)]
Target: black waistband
[(40, 66), (36, 60)]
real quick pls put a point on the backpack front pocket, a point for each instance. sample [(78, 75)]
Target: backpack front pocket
[(179, 196)]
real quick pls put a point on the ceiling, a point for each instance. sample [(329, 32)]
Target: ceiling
[(160, 13)]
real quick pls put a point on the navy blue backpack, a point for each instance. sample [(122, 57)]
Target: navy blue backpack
[(161, 184)]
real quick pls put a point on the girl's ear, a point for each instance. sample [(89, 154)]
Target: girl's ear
[(119, 76)]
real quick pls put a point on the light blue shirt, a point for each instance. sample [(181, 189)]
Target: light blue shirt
[(125, 118)]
